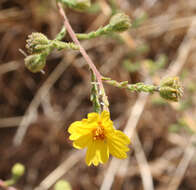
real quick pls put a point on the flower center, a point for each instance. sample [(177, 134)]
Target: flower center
[(98, 133)]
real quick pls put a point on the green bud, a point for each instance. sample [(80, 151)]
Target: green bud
[(171, 89), (37, 43), (35, 63), (120, 22), (62, 185), (18, 170)]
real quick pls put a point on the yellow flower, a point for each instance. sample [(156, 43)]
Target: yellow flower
[(98, 135)]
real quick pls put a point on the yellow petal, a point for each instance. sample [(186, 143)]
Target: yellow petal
[(85, 124), (106, 121), (102, 151), (117, 151), (93, 117), (97, 152), (82, 141), (78, 129), (91, 154), (105, 116), (121, 137), (117, 143)]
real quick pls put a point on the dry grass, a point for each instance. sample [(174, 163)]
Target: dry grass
[(45, 105)]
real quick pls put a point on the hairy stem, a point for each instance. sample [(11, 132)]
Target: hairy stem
[(95, 94), (101, 31), (138, 87)]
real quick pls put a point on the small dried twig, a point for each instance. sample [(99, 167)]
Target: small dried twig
[(143, 164), (10, 121), (10, 66), (183, 51), (32, 109), (61, 170), (183, 165), (152, 27)]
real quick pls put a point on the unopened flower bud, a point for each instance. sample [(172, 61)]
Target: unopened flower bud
[(62, 185), (120, 22), (35, 63), (18, 170), (171, 89), (37, 43)]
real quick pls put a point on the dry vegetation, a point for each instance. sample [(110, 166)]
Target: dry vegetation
[(163, 146)]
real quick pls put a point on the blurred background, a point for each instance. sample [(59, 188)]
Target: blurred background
[(36, 109)]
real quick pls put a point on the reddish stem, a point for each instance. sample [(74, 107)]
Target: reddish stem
[(82, 50), (85, 55)]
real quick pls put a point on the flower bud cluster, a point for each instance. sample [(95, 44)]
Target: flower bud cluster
[(39, 46), (35, 62), (120, 22), (37, 43), (171, 89)]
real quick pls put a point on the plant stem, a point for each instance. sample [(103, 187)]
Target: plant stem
[(61, 34), (9, 182), (138, 87), (84, 54), (101, 31), (95, 94)]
